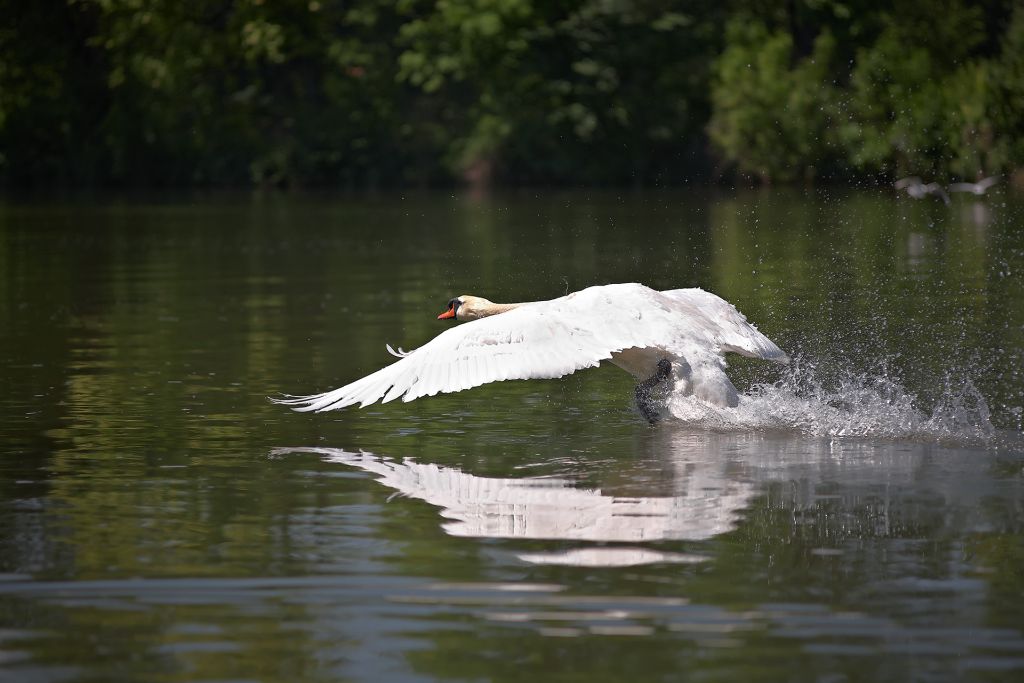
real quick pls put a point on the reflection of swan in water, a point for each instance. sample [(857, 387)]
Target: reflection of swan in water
[(694, 485), (704, 503)]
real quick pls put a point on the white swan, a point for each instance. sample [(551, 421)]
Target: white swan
[(676, 336)]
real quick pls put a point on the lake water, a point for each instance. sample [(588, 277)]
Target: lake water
[(859, 517)]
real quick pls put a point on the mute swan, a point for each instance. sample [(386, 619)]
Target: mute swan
[(677, 336)]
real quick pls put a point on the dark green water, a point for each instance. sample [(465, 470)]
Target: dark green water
[(860, 517)]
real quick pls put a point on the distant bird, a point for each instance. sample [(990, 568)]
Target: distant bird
[(918, 189), (677, 336), (979, 188)]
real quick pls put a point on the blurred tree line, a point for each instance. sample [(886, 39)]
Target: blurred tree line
[(366, 93)]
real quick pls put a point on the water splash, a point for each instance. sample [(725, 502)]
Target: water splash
[(851, 405)]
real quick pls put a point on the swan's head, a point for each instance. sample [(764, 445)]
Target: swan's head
[(468, 307)]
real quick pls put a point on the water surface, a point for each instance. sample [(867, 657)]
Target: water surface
[(859, 517)]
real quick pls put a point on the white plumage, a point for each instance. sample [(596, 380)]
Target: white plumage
[(631, 325)]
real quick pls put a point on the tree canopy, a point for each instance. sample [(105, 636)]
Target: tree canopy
[(426, 92)]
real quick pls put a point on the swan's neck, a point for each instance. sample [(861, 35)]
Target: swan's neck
[(474, 307), (492, 308)]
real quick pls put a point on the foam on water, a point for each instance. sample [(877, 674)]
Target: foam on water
[(853, 405)]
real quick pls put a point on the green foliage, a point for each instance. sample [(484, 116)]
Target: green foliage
[(282, 92), (595, 91), (374, 92), (772, 117), (916, 103), (920, 93), (1006, 82), (895, 108)]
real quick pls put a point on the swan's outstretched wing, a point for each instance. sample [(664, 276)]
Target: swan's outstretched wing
[(726, 325), (546, 339), (979, 188), (986, 183)]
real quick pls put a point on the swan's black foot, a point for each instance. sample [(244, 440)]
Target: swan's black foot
[(644, 402)]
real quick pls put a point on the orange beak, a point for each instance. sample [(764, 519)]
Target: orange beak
[(450, 313)]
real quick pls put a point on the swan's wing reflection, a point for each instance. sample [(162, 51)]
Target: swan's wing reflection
[(706, 503), (605, 556)]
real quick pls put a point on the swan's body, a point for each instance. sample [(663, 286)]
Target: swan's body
[(637, 328)]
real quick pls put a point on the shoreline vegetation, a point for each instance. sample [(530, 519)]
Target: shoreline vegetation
[(417, 93)]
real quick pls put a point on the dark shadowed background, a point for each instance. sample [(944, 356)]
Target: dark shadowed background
[(375, 93)]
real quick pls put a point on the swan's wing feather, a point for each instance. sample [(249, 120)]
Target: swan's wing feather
[(542, 340), (726, 325)]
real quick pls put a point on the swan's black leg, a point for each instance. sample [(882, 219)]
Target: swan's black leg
[(643, 391)]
